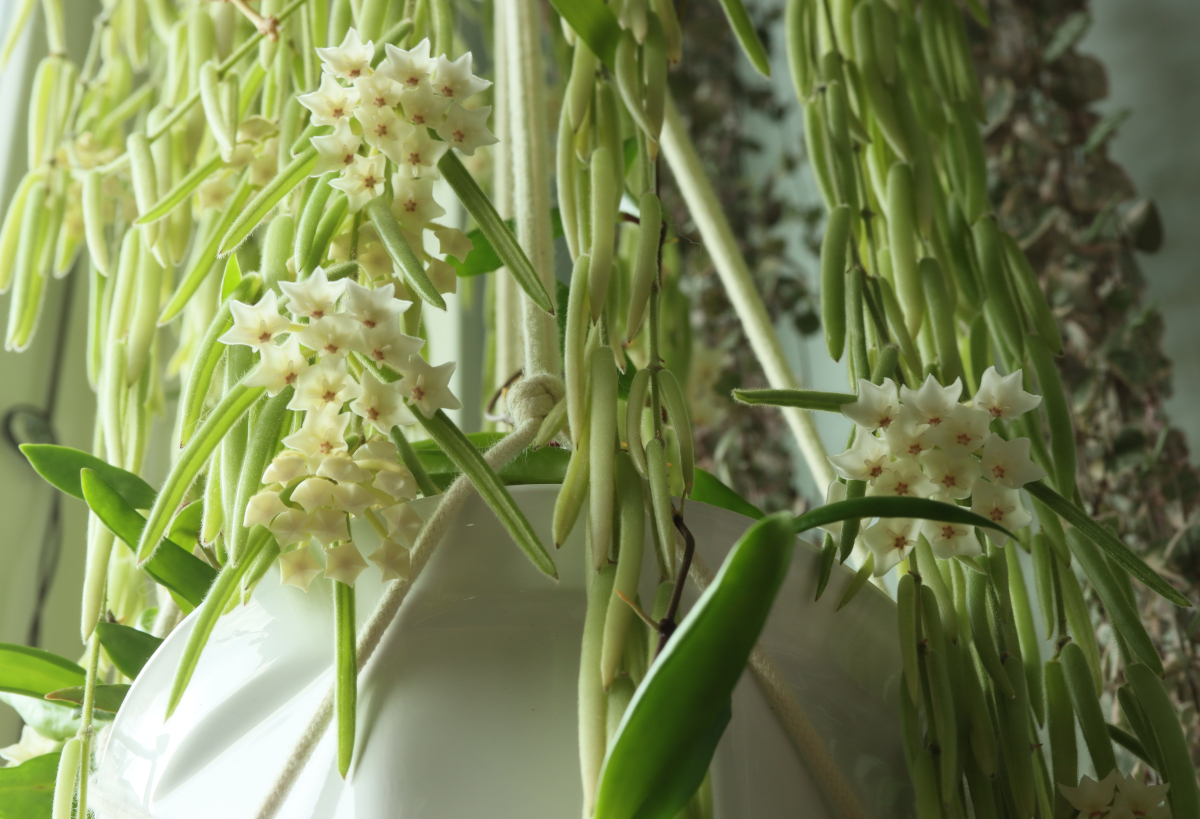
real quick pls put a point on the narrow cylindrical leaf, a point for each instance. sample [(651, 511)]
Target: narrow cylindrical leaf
[(345, 679), (1087, 709), (385, 223), (602, 442), (266, 199), (631, 512)]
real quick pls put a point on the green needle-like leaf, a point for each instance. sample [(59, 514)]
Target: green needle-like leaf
[(804, 399), (889, 507), (128, 648), (181, 190), (385, 223), (60, 466), (34, 672), (262, 204)]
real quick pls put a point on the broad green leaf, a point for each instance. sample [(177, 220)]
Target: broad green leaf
[(889, 507), (483, 258), (34, 672), (666, 735), (128, 648), (1106, 540), (709, 489), (27, 790), (804, 399), (50, 719), (181, 572), (595, 23), (108, 697), (185, 528), (60, 466)]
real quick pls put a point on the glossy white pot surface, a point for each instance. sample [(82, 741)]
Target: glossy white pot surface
[(468, 708)]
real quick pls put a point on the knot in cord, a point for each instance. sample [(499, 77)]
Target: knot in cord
[(533, 397)]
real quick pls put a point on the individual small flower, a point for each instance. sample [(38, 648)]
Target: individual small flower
[(835, 492), (1007, 463), (963, 432), (350, 60), (381, 404), (374, 307), (407, 67), (264, 163), (454, 80), (352, 499), (325, 386), (865, 460), (932, 402), (256, 129), (336, 151), (290, 527), (378, 91), (298, 568), (255, 325), (467, 130), (1136, 800), (876, 407), (321, 434), (344, 563), (906, 438), (404, 523), (414, 204), (442, 276), (903, 479), (420, 151), (328, 526), (330, 335), (387, 345), (375, 260), (384, 130), (341, 467), (1002, 396), (331, 104), (362, 181), (1091, 798), (453, 242), (392, 560), (951, 539), (315, 297), (422, 106), (313, 493), (890, 540), (286, 467), (953, 474), (999, 504), (399, 483), (429, 387), (262, 509), (384, 451), (281, 366)]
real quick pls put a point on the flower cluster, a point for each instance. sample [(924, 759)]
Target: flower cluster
[(1117, 797), (924, 443), (338, 464)]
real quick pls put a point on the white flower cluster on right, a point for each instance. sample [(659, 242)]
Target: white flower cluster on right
[(1117, 797), (924, 443)]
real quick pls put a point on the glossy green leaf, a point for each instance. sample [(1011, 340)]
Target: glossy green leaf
[(709, 489), (1106, 540), (60, 466), (667, 734), (128, 648), (595, 23), (170, 565), (27, 790), (185, 527), (108, 697), (483, 258), (892, 507), (34, 672)]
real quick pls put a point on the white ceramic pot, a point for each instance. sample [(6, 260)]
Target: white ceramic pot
[(468, 708)]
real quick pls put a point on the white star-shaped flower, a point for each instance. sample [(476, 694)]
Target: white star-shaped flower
[(255, 325), (902, 479), (906, 438), (374, 307), (387, 345), (378, 91), (404, 523), (350, 60), (286, 467), (381, 404), (422, 106), (467, 130), (262, 508), (313, 493), (325, 387), (328, 526), (999, 504), (321, 434), (1002, 396), (298, 568), (453, 242), (442, 276), (315, 297), (281, 366), (1135, 799), (344, 563), (963, 432), (876, 407), (330, 335), (336, 151), (392, 560), (362, 181), (384, 130), (377, 450), (890, 540), (932, 402), (342, 468), (951, 539), (397, 482), (865, 460), (1091, 798), (375, 260), (407, 67), (414, 204), (454, 80), (428, 387), (290, 526), (1007, 463), (953, 474), (331, 104), (420, 152), (352, 499)]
